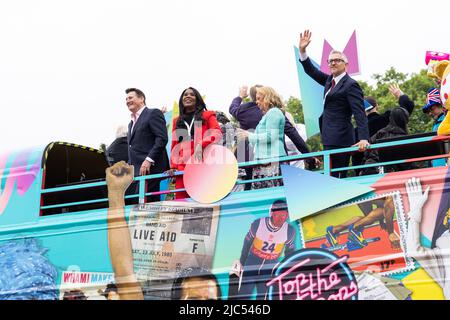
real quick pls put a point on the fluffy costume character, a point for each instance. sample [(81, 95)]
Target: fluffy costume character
[(442, 70), (432, 58)]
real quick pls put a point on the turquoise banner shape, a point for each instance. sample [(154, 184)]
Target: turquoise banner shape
[(311, 96), (309, 192)]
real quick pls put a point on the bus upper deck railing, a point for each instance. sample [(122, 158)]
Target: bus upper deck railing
[(325, 156)]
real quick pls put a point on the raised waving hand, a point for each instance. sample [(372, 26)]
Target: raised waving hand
[(305, 39)]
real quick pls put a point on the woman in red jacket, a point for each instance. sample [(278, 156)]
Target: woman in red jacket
[(192, 131)]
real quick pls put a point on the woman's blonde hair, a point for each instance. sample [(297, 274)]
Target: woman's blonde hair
[(271, 97)]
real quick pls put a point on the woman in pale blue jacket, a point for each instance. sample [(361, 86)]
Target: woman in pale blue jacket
[(268, 138)]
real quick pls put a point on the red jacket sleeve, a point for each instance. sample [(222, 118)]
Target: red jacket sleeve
[(212, 134)]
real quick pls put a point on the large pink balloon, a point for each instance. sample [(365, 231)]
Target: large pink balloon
[(213, 178)]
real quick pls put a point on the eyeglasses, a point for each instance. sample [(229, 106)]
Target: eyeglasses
[(331, 61)]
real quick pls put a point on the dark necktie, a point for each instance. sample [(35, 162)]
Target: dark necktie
[(333, 83)]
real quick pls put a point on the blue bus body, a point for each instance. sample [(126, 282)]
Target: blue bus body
[(56, 196)]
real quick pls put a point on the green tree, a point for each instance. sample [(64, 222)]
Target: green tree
[(314, 143), (102, 147), (294, 106), (415, 86)]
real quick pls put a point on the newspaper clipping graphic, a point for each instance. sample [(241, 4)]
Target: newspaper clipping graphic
[(169, 237)]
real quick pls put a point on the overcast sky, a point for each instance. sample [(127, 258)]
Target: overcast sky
[(64, 64)]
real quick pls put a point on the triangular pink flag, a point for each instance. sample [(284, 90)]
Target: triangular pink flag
[(351, 51), (327, 48)]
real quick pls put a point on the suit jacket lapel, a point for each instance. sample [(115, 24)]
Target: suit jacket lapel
[(328, 84), (130, 125), (339, 84), (336, 87), (138, 122)]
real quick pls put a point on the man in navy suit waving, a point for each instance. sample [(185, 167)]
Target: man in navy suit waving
[(147, 140), (343, 98)]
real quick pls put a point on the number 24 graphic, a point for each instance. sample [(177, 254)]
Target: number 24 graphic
[(266, 246)]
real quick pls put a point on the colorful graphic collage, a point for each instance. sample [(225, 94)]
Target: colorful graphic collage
[(389, 241)]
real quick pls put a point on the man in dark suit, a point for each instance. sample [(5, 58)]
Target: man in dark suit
[(147, 140), (342, 98)]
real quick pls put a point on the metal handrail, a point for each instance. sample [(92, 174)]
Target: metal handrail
[(326, 155)]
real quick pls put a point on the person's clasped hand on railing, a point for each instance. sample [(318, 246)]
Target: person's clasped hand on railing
[(362, 145)]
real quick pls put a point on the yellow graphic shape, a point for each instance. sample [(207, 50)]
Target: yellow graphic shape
[(175, 113), (175, 110), (309, 228), (423, 287)]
